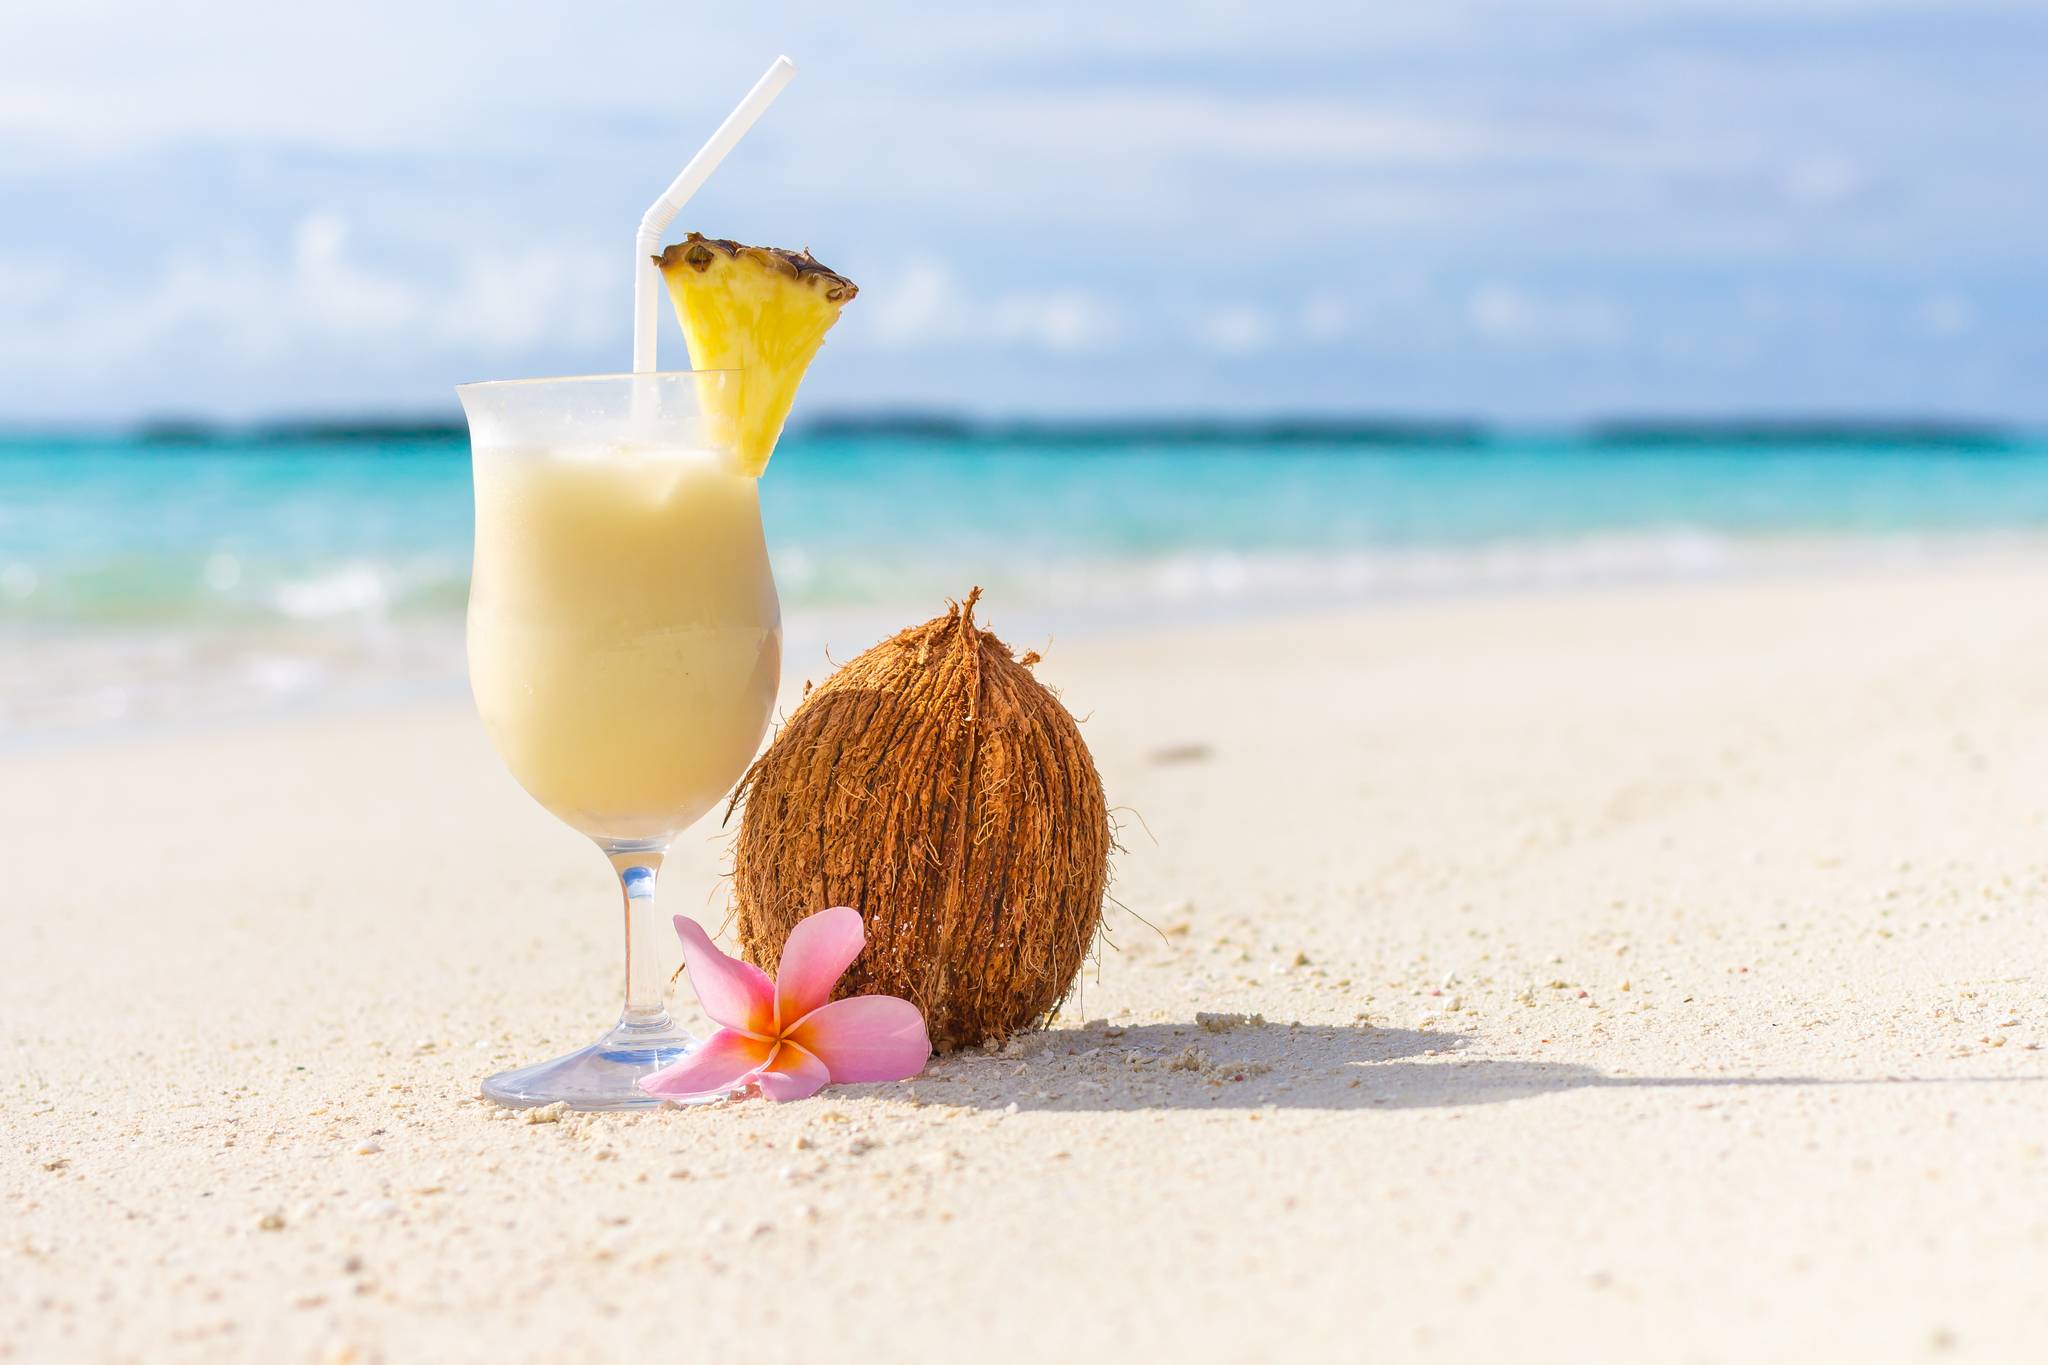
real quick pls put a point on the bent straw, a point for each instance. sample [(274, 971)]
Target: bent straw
[(654, 223)]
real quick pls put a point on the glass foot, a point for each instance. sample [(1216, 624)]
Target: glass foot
[(605, 1075)]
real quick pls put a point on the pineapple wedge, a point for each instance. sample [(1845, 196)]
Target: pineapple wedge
[(759, 309)]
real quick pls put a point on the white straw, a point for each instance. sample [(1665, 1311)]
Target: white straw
[(654, 223)]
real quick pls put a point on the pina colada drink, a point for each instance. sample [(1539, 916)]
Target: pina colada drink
[(624, 638)]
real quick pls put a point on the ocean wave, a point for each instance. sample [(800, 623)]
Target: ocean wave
[(1201, 579), (220, 589), (243, 638), (362, 588)]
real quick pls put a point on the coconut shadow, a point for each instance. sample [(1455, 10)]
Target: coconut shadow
[(1285, 1066), (1245, 1066)]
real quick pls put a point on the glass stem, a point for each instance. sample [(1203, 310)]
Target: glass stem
[(648, 937)]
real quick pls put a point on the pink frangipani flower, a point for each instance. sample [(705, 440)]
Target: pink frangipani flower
[(787, 1037)]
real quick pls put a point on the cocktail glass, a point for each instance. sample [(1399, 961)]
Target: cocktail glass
[(625, 643)]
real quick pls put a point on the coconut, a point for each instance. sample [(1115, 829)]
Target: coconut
[(937, 787)]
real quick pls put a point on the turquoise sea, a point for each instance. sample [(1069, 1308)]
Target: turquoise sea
[(186, 578)]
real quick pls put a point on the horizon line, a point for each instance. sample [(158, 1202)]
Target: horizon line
[(940, 424)]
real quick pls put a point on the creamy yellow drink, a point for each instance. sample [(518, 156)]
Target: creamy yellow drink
[(624, 637)]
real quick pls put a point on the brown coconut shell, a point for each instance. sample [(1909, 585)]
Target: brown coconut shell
[(936, 786)]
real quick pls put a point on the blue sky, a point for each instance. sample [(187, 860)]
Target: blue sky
[(1526, 211)]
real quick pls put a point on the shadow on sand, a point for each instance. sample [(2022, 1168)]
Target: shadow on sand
[(1286, 1066)]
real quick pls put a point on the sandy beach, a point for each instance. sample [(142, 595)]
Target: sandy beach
[(1648, 975)]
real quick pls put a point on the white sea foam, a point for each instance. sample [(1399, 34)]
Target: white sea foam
[(59, 683), (1197, 580), (358, 588), (363, 629)]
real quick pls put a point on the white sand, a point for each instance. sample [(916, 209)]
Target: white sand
[(1669, 988)]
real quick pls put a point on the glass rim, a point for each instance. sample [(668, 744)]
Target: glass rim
[(586, 378)]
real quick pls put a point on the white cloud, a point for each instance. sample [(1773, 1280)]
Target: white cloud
[(1823, 181), (1947, 315), (312, 296), (509, 300), (1510, 316), (928, 306), (27, 283), (115, 74), (1237, 330), (301, 192), (1063, 320), (338, 296), (919, 307), (1324, 319)]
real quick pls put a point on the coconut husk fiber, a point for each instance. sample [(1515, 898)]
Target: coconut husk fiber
[(936, 786)]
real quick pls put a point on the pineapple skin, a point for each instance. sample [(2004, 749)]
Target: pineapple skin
[(761, 310)]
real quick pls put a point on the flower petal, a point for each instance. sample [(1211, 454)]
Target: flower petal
[(716, 1065), (867, 1038), (817, 951), (793, 1074), (736, 994)]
